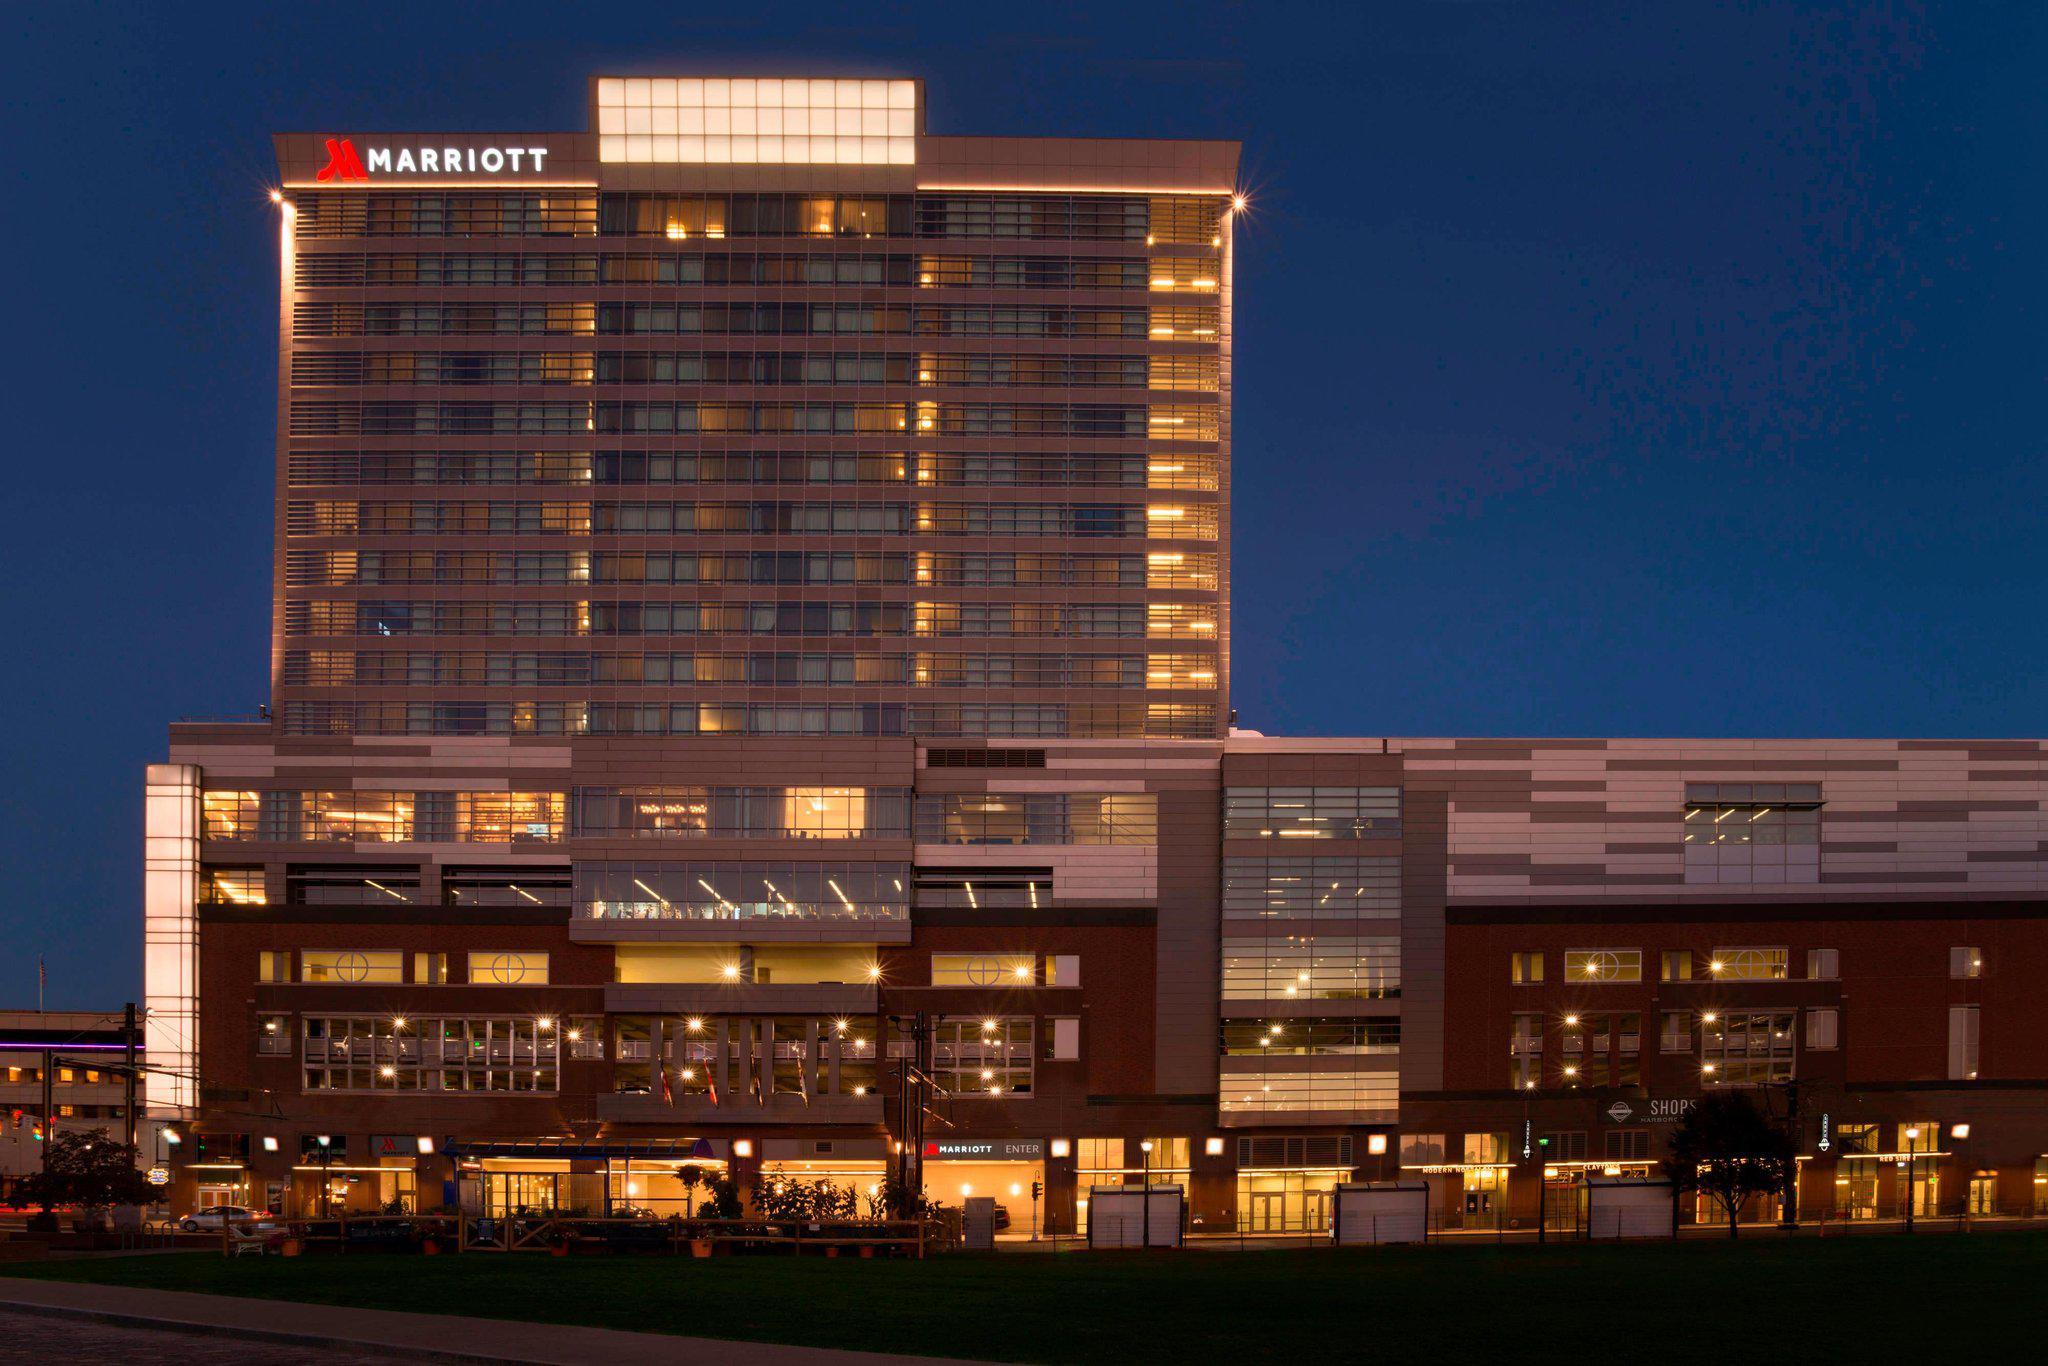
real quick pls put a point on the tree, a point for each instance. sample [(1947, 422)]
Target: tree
[(1728, 1148), (91, 1170)]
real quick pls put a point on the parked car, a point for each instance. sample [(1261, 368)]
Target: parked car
[(210, 1220)]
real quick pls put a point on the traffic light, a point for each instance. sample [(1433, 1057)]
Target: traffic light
[(1037, 1189)]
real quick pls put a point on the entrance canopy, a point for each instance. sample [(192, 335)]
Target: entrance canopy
[(650, 1149)]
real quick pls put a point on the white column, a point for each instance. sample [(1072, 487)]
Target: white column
[(170, 939)]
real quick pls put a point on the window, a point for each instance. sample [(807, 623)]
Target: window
[(274, 965), (1311, 812), (1037, 817), (1063, 970), (430, 969), (1823, 965), (1486, 1149), (1525, 969), (508, 968), (1269, 1092), (1569, 1146), (1752, 832), (1627, 1145), (1311, 888), (1310, 1037), (351, 966), (1603, 965), (979, 1056), (1746, 1048), (1063, 1039), (742, 891), (1962, 1042), (984, 969), (1676, 1034), (383, 1053), (231, 887), (1675, 965), (274, 1035), (1312, 967), (1822, 1026), (1748, 965), (1965, 963), (1424, 1150)]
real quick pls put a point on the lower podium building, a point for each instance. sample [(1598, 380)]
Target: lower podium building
[(510, 972)]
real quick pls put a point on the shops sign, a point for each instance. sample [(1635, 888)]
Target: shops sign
[(990, 1150), (1620, 1111), (344, 164), (159, 1176)]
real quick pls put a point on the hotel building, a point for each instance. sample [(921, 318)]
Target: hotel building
[(750, 688)]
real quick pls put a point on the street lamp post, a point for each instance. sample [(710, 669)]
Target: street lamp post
[(1912, 1144), (1145, 1147)]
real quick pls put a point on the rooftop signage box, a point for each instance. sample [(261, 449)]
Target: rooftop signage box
[(366, 160)]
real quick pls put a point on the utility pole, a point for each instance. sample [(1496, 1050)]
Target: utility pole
[(1789, 1215), (49, 1108), (128, 1105)]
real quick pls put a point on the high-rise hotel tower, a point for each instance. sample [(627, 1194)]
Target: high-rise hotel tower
[(750, 688)]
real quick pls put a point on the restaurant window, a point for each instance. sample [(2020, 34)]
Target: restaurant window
[(430, 969), (508, 968), (1676, 1034), (984, 969), (1676, 965), (1823, 965), (1603, 965), (1748, 965), (1965, 963), (274, 965), (351, 966), (1525, 969)]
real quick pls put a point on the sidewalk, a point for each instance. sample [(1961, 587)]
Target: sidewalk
[(428, 1337)]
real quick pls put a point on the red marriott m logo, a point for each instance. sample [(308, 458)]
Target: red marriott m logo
[(341, 162)]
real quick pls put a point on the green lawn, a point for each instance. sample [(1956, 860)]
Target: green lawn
[(1869, 1298)]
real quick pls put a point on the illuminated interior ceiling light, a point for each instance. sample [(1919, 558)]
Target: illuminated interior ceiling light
[(397, 1023), (386, 890), (988, 1026), (651, 892), (695, 1022), (546, 1022), (840, 894), (523, 892)]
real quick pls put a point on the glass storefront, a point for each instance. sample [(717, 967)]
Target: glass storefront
[(1287, 1200)]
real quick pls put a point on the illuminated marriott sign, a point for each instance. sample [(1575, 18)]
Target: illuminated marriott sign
[(343, 163)]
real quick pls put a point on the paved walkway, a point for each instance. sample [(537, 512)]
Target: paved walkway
[(41, 1338), (382, 1334)]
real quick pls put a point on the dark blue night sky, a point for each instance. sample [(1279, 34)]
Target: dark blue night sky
[(1602, 368)]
